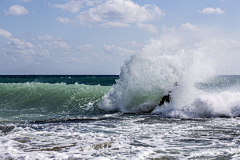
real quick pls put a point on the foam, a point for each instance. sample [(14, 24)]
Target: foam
[(134, 137), (220, 104), (164, 60)]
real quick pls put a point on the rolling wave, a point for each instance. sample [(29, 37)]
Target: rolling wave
[(34, 101)]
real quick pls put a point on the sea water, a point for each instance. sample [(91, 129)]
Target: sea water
[(61, 119), (118, 116)]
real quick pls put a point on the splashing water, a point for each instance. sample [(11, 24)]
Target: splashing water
[(188, 58)]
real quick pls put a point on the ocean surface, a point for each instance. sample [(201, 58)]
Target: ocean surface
[(118, 117)]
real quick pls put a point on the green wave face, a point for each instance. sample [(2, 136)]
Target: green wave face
[(34, 101)]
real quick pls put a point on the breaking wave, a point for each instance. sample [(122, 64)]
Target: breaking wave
[(189, 58)]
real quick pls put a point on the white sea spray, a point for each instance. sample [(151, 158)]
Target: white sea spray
[(184, 57)]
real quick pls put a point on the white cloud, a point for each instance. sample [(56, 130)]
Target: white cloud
[(228, 43), (85, 47), (50, 42), (5, 34), (210, 10), (124, 11), (62, 44), (148, 27), (115, 24), (189, 27), (19, 45), (63, 20), (16, 10), (234, 42), (45, 37), (99, 1), (89, 3), (44, 50), (168, 29), (72, 6), (117, 51), (16, 46)]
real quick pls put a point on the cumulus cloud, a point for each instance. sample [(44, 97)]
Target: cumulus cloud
[(148, 27), (115, 24), (72, 6), (45, 37), (43, 50), (62, 44), (85, 47), (63, 20), (16, 10), (210, 10), (124, 11), (113, 13), (90, 3), (5, 34), (165, 29), (189, 27), (50, 42), (117, 51), (49, 46), (19, 45)]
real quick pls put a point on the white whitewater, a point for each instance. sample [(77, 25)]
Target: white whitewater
[(181, 56)]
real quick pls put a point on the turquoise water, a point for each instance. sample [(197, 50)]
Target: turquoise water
[(44, 97)]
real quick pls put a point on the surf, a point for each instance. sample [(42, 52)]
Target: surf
[(188, 58)]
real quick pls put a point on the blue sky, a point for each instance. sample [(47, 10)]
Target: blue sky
[(97, 36)]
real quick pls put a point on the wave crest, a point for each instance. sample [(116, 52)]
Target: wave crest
[(188, 59)]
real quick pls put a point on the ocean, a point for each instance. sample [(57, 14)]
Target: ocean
[(119, 117), (111, 117)]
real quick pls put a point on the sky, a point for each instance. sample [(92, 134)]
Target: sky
[(97, 36)]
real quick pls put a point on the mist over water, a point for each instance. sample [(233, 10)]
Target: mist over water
[(189, 58)]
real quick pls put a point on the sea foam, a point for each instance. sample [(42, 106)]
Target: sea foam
[(181, 56)]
